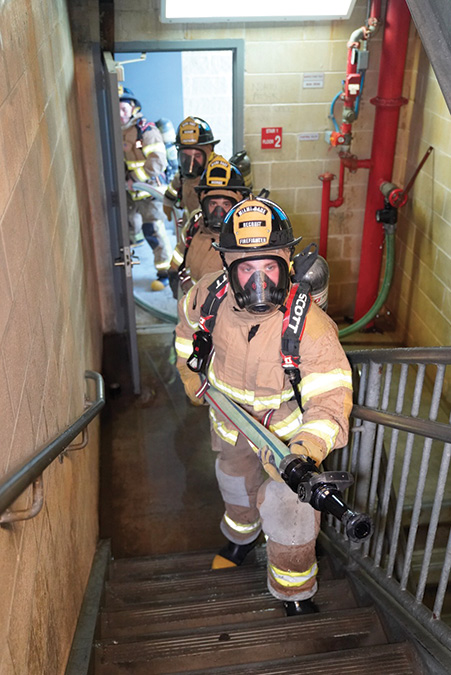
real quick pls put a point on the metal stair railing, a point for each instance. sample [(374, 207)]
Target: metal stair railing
[(30, 473), (399, 452)]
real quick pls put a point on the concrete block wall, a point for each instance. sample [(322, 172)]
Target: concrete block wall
[(276, 59), (420, 299), (50, 333)]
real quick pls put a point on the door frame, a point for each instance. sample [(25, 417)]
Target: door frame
[(237, 49)]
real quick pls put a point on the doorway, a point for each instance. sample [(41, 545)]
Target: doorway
[(173, 81)]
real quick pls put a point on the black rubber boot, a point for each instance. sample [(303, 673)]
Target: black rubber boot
[(232, 555), (300, 607)]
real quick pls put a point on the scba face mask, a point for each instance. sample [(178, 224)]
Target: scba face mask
[(215, 209), (191, 163), (260, 284)]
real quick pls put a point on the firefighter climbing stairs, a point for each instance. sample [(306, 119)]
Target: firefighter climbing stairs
[(172, 614)]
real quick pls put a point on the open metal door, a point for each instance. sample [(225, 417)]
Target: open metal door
[(117, 214)]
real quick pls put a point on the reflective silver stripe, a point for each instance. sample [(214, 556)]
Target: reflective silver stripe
[(288, 426), (324, 429), (292, 579), (242, 528), (134, 164), (183, 347), (229, 435), (320, 383), (247, 396), (177, 257)]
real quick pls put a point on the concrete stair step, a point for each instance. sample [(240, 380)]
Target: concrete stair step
[(160, 616), (232, 645)]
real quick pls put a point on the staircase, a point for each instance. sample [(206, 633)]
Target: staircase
[(172, 614)]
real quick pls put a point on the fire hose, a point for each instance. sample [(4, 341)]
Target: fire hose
[(322, 490)]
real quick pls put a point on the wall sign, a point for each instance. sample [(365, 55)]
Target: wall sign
[(313, 81), (271, 137), (308, 136)]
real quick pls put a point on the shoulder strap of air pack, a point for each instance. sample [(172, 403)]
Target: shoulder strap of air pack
[(217, 291), (297, 306)]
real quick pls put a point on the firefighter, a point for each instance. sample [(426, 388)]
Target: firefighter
[(194, 142), (243, 310), (145, 160), (221, 187)]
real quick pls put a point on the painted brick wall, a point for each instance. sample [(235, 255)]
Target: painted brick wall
[(49, 333), (420, 299), (276, 59)]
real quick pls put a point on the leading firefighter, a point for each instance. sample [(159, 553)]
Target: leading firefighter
[(244, 315)]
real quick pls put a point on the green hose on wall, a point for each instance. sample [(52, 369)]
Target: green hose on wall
[(388, 275)]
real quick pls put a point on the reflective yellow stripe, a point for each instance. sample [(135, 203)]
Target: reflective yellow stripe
[(318, 383), (177, 257), (183, 347), (154, 147), (292, 579), (136, 196), (172, 192), (141, 174), (246, 396), (241, 527), (162, 265), (229, 435), (288, 426), (134, 164), (324, 429)]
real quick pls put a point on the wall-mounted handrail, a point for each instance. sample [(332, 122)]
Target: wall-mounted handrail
[(18, 480)]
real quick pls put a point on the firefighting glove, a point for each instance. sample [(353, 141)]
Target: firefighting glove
[(168, 212), (193, 384), (267, 459), (308, 448)]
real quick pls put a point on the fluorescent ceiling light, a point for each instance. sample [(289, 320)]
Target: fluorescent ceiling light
[(183, 11)]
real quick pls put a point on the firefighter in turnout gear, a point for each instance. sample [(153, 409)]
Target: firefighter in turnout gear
[(194, 142), (145, 162), (221, 187), (244, 313)]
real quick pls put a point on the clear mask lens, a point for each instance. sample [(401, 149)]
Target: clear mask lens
[(260, 290), (214, 214), (190, 164)]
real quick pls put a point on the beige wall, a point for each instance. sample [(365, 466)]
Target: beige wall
[(276, 58), (49, 331), (420, 299)]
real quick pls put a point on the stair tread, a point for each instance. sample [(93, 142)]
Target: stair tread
[(396, 658), (190, 585), (168, 652), (158, 616), (123, 570)]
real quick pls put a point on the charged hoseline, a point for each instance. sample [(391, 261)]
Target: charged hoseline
[(322, 490)]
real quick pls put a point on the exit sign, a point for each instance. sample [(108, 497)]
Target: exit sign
[(271, 137)]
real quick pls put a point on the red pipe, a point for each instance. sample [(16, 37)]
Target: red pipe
[(326, 179), (388, 103)]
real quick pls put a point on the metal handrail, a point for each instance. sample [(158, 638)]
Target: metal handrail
[(373, 456), (18, 480)]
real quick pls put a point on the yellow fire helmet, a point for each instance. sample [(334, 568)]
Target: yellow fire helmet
[(256, 224), (194, 131)]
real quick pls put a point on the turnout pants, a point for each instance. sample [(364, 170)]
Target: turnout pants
[(254, 503), (146, 215)]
